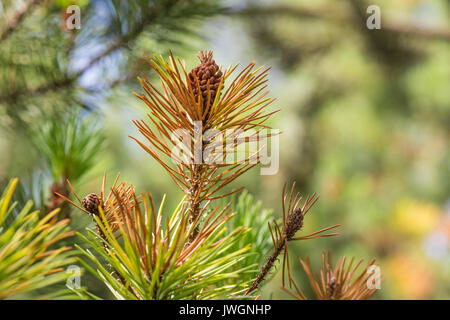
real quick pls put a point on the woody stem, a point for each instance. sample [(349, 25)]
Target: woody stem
[(194, 204), (268, 266)]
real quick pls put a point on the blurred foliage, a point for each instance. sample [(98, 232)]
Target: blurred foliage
[(365, 124), (364, 115), (250, 214), (69, 144), (29, 256), (48, 68)]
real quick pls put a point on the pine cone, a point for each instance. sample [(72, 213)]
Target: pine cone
[(206, 70), (91, 203), (294, 223)]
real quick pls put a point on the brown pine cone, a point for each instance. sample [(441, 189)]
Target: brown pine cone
[(91, 203), (294, 223), (206, 70)]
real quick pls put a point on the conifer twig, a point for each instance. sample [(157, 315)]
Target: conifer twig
[(337, 283), (193, 103), (92, 203), (338, 16), (293, 217), (18, 16)]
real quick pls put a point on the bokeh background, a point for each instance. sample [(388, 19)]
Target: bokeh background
[(365, 114)]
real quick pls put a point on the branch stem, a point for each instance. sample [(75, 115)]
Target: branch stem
[(268, 266), (17, 18), (194, 203)]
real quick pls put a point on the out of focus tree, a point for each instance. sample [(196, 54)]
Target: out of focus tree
[(367, 114), (364, 114), (48, 69)]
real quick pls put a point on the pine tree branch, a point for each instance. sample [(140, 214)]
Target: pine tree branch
[(17, 18), (54, 85), (121, 41), (296, 12), (411, 30), (267, 267), (151, 16), (71, 79)]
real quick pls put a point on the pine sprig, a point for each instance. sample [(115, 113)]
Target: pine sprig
[(148, 257), (293, 219), (191, 103), (69, 145), (29, 256), (343, 282)]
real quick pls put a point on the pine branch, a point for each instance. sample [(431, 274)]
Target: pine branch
[(39, 90), (194, 102), (403, 29), (31, 251), (343, 282), (151, 257), (267, 267), (17, 18), (70, 80), (293, 218)]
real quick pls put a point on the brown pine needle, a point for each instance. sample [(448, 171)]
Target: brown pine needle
[(200, 96), (336, 283)]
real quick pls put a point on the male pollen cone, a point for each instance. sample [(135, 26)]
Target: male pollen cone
[(206, 70)]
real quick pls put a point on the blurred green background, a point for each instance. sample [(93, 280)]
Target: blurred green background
[(365, 114)]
